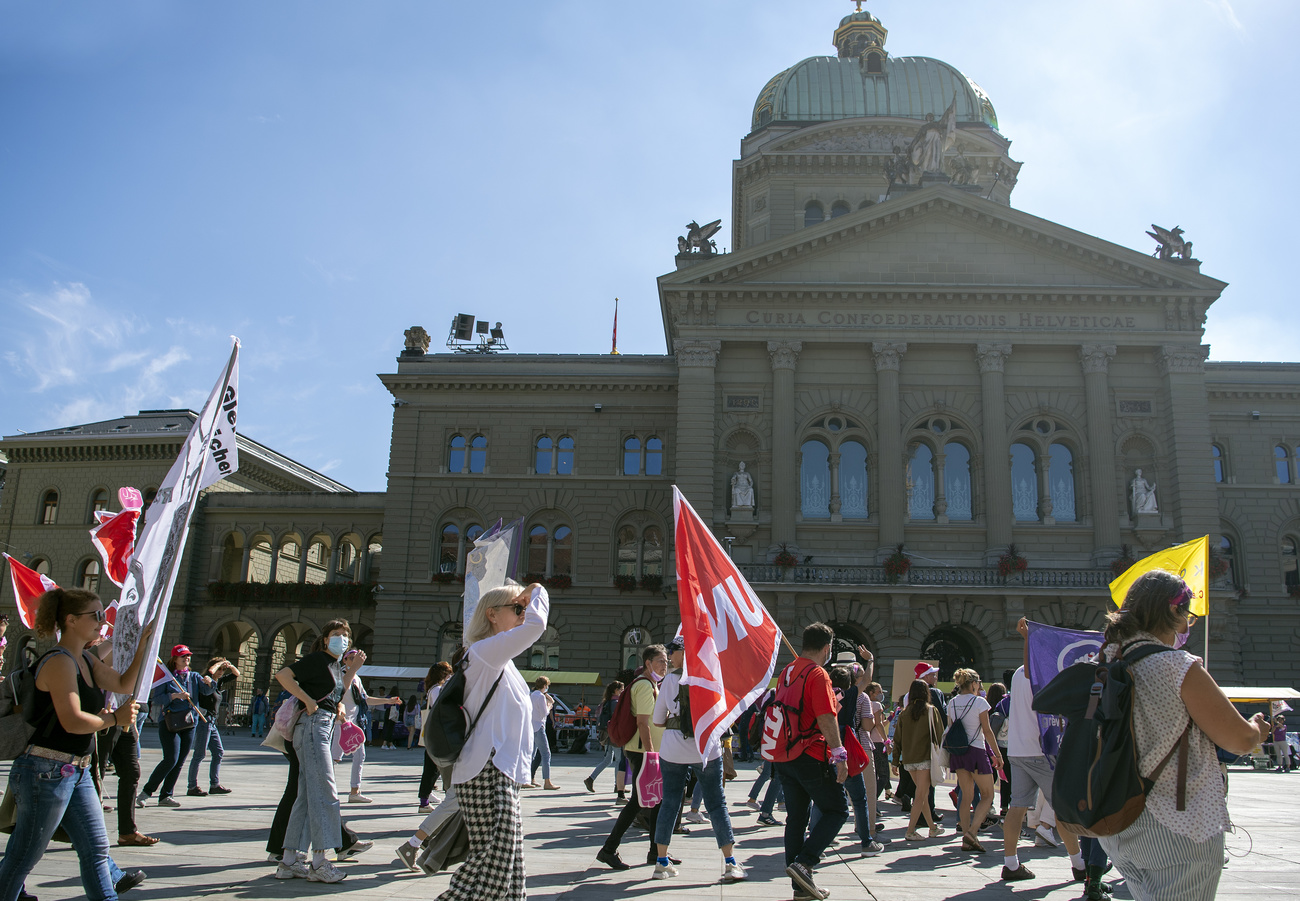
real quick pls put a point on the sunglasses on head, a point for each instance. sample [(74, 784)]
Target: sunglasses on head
[(518, 608)]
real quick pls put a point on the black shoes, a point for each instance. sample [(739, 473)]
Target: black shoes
[(197, 792), (1019, 874), (611, 860), (130, 879), (218, 789)]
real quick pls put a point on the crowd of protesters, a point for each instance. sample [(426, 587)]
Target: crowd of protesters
[(834, 754)]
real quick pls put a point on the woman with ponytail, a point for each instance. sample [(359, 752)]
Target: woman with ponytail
[(52, 778)]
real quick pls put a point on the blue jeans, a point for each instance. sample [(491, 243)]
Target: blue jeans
[(175, 745), (709, 779), (856, 787), (809, 781), (206, 736), (257, 726), (45, 797), (774, 791), (543, 752), (314, 821), (613, 755)]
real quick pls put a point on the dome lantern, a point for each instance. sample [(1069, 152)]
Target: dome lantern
[(862, 37)]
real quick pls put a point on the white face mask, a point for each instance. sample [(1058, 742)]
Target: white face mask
[(338, 644)]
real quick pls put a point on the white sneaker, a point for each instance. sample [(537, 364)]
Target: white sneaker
[(141, 798), (295, 870), (358, 798), (872, 848), (1045, 838), (326, 872), (695, 817), (733, 872), (664, 872)]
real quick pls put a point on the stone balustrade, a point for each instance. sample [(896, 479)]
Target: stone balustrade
[(965, 577)]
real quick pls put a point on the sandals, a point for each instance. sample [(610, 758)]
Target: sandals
[(138, 839), (971, 843)]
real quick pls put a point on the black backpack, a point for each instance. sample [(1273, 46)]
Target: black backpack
[(1098, 788), (448, 726), (756, 718), (955, 739)]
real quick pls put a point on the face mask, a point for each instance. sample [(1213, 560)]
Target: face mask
[(1180, 639), (338, 644)]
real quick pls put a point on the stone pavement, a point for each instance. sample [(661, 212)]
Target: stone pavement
[(213, 847)]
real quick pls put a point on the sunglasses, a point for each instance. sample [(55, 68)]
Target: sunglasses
[(97, 614), (518, 608)]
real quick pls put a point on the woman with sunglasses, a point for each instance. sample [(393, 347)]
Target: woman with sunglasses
[(52, 778), (176, 728), (495, 759)]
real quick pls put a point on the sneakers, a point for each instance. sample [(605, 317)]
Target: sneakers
[(295, 870), (766, 819), (407, 855), (880, 827), (1019, 874), (360, 846), (871, 849), (358, 798), (1044, 838), (695, 817), (218, 789), (326, 872), (752, 804), (424, 808), (664, 872), (801, 894), (196, 792), (913, 836), (141, 798), (611, 860), (589, 784), (936, 831), (733, 872), (168, 801), (803, 879)]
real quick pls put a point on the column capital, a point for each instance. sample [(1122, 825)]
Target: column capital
[(992, 357), (698, 353), (784, 354), (1096, 357), (889, 354), (1181, 358)]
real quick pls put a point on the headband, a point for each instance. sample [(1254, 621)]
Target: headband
[(1183, 597)]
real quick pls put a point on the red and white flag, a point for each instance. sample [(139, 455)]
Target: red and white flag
[(29, 585), (161, 676), (731, 639), (114, 536)]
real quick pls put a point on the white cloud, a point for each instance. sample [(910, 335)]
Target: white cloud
[(330, 466)]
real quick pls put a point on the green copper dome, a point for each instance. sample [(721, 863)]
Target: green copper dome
[(824, 88)]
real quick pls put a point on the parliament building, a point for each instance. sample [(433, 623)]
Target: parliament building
[(909, 409)]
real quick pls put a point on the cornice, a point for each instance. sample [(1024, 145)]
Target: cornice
[(423, 383), (82, 452)]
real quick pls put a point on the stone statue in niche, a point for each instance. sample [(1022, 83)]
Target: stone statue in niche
[(742, 489), (1143, 494)]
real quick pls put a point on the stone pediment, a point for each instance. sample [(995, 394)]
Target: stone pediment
[(943, 238)]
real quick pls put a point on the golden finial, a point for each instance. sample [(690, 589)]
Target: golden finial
[(858, 3)]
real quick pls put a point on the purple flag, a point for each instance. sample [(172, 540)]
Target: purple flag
[(1052, 649)]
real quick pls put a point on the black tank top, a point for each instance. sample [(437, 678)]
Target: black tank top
[(50, 732)]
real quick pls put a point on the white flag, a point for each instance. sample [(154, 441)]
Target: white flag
[(208, 455)]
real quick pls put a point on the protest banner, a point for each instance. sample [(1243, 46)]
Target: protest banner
[(493, 559)]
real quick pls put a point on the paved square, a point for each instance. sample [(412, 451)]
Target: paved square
[(213, 847)]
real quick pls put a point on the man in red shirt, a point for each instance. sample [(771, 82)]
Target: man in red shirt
[(817, 764)]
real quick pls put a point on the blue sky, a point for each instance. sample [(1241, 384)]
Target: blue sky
[(315, 177)]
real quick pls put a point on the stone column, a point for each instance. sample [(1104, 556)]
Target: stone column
[(1186, 485), (891, 490), (835, 486), (1095, 359), (997, 467), (275, 561), (243, 563), (785, 472), (696, 396)]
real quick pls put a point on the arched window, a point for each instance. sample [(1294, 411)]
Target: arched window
[(259, 561), (374, 556), (875, 64), (956, 475), (1061, 473), (286, 563), (1281, 460), (813, 213), (546, 653), (544, 456), (232, 558), (449, 548), (853, 480), (318, 558), (538, 539), (88, 575), (628, 552), (450, 637), (349, 559), (1228, 554), (652, 552), (654, 457), (920, 483), (41, 565), (632, 456), (635, 640), (456, 454), (50, 508), (815, 480), (866, 203), (1216, 453), (640, 551), (1024, 483), (840, 208), (98, 502), (478, 454), (564, 457), (562, 552), (1290, 565)]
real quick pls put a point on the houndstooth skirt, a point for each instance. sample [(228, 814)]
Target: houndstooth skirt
[(494, 870)]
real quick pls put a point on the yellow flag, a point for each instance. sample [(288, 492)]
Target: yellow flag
[(1190, 560)]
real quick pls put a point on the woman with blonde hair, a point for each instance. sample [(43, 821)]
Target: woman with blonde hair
[(917, 730), (1173, 850), (974, 766), (495, 759)]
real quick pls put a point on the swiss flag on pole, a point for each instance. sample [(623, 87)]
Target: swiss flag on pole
[(731, 639), (29, 585)]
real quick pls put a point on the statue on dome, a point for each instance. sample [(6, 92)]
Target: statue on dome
[(925, 153), (697, 238), (1170, 242)]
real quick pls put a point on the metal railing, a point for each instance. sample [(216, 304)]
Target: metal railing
[(966, 577)]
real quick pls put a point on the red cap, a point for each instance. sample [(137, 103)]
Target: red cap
[(182, 651), (925, 669)]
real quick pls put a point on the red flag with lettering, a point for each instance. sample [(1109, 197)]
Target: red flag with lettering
[(29, 585), (731, 639), (115, 539)]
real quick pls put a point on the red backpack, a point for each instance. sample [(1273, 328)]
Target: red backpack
[(782, 739), (622, 725)]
